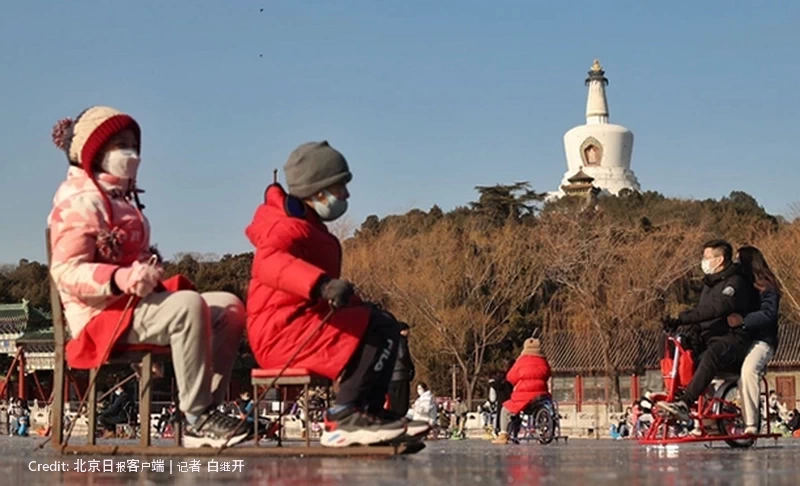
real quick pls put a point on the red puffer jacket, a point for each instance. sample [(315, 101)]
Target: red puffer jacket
[(293, 250), (529, 375)]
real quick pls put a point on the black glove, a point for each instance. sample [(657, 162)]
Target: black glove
[(336, 291), (670, 324)]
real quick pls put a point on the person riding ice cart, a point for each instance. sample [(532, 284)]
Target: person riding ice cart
[(295, 281), (725, 292), (110, 291)]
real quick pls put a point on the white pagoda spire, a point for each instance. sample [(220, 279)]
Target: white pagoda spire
[(596, 103), (599, 149)]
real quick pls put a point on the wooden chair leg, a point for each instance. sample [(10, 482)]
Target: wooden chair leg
[(177, 427), (145, 395), (282, 417), (177, 430), (91, 400), (57, 429), (308, 415), (255, 413)]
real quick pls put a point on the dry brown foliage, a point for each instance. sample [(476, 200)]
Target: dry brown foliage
[(614, 279), (342, 228), (781, 251), (468, 285), (459, 287)]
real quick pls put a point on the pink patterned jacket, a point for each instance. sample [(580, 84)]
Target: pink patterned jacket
[(80, 218)]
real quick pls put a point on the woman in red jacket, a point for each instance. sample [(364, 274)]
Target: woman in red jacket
[(294, 282), (529, 375)]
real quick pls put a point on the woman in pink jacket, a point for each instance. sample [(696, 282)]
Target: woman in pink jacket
[(110, 282)]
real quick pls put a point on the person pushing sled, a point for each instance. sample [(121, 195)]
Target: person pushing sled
[(295, 285)]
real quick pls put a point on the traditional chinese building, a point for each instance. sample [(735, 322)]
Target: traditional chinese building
[(579, 185), (26, 334), (599, 149)]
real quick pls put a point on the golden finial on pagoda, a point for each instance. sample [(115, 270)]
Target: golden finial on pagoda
[(596, 67)]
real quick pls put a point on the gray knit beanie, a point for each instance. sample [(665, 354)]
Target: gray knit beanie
[(313, 167)]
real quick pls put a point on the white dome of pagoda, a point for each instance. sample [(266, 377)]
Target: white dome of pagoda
[(600, 149)]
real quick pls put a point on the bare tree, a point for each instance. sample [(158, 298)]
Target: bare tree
[(780, 250), (614, 279), (459, 287)]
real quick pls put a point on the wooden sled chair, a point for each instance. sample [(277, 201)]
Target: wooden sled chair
[(294, 378), (291, 378), (141, 354)]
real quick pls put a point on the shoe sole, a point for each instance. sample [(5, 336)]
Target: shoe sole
[(409, 439), (417, 431), (343, 438), (666, 408), (198, 442)]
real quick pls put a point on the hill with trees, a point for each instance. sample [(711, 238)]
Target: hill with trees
[(474, 282)]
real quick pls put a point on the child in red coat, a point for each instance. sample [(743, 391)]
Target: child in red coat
[(295, 281), (529, 375)]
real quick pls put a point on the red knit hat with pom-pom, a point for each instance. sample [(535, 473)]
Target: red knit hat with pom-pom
[(81, 139)]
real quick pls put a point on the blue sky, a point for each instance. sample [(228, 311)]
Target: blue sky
[(425, 99)]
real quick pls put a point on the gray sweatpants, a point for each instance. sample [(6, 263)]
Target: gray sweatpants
[(203, 331), (505, 419)]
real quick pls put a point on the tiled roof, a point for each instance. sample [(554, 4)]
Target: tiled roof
[(39, 347), (788, 353), (581, 176), (637, 350), (17, 317), (570, 352), (19, 322), (37, 335)]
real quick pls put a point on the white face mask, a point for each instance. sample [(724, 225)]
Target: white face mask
[(332, 208), (706, 266), (122, 163)]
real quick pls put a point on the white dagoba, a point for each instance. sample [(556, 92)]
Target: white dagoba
[(600, 149)]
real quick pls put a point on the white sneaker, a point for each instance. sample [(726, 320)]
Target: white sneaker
[(696, 431), (215, 429), (751, 430), (351, 427)]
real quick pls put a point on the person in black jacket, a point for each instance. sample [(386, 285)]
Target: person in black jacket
[(762, 326), (116, 413), (400, 386), (721, 347), (794, 420), (244, 404)]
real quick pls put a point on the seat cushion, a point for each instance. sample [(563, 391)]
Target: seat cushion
[(273, 372), (139, 348)]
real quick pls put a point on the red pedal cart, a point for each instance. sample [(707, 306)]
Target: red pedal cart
[(717, 417)]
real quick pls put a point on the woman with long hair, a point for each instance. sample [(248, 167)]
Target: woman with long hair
[(762, 326)]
